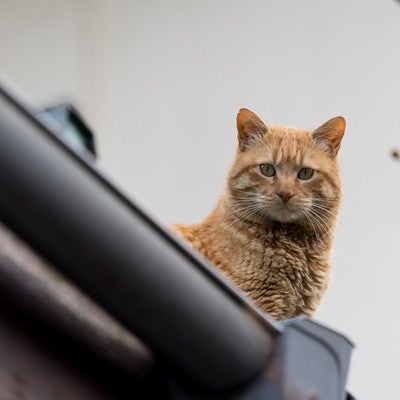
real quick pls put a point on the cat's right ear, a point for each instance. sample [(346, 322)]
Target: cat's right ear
[(249, 125)]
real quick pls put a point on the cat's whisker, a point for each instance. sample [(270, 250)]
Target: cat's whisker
[(323, 209), (329, 213), (246, 207), (323, 228), (248, 203), (310, 221), (241, 216), (318, 220), (254, 211)]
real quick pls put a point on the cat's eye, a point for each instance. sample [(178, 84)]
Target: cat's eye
[(305, 173), (267, 170)]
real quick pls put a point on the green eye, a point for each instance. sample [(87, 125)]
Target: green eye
[(267, 170), (305, 173)]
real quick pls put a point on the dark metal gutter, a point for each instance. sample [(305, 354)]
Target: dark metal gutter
[(35, 290), (156, 288)]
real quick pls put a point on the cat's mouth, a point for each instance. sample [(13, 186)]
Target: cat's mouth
[(287, 212), (286, 215)]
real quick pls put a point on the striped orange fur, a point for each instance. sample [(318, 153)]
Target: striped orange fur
[(271, 232)]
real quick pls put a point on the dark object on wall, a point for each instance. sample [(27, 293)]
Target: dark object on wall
[(191, 335)]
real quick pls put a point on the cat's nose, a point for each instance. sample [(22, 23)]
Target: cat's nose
[(285, 195)]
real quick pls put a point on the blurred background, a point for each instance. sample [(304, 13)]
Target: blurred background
[(160, 83)]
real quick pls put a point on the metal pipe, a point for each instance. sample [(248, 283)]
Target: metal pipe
[(76, 219)]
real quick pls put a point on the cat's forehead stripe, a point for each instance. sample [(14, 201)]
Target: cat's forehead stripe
[(289, 144)]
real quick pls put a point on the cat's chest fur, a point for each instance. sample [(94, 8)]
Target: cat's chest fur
[(283, 270)]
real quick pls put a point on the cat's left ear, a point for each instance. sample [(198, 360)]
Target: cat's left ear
[(330, 134), (249, 125)]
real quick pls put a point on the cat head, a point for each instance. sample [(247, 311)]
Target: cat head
[(285, 174)]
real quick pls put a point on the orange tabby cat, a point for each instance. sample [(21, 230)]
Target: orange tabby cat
[(271, 231)]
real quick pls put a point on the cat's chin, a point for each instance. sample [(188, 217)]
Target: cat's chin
[(287, 216), (286, 219)]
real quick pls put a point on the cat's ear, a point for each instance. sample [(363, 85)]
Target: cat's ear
[(249, 125), (330, 134)]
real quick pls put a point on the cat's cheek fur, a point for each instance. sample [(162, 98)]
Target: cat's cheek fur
[(242, 182)]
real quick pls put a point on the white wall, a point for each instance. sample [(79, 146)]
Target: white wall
[(161, 83)]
